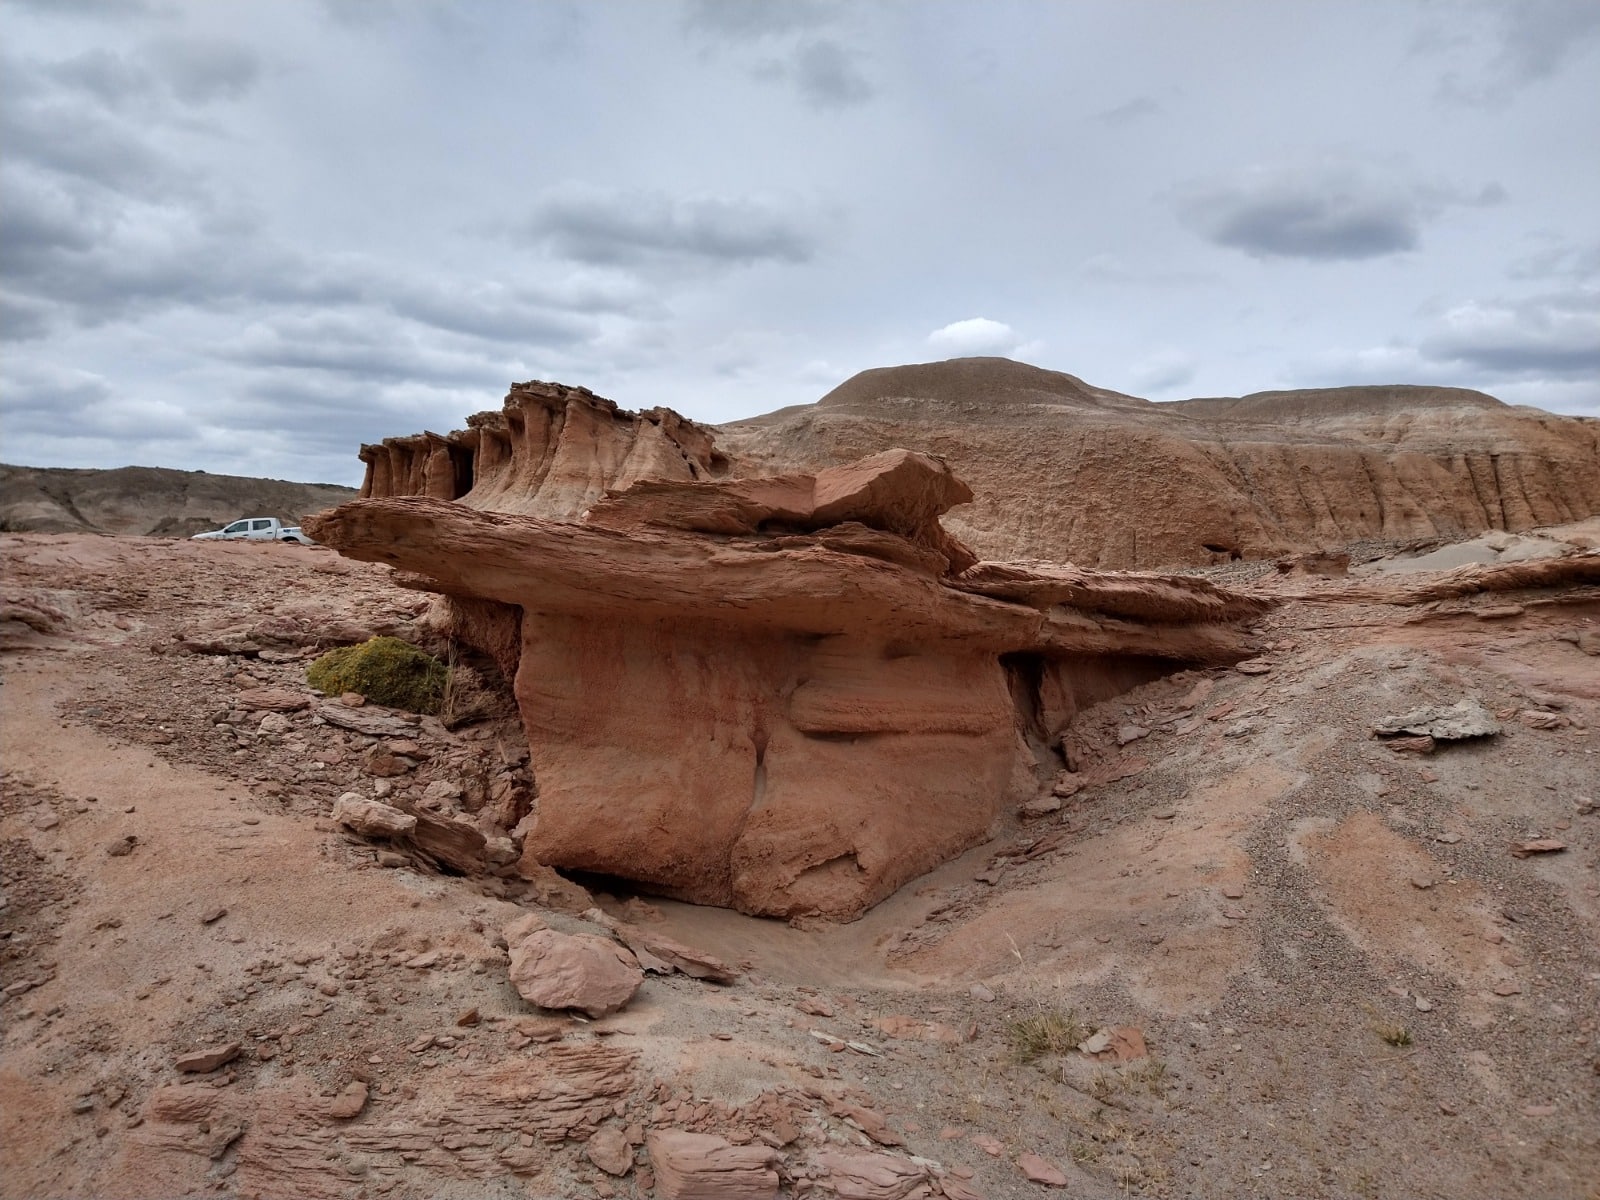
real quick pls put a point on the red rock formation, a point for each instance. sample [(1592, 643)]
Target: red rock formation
[(787, 695), (551, 451), (1063, 471)]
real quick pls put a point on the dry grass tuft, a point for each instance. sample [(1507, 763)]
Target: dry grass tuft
[(1044, 1034), (1395, 1035)]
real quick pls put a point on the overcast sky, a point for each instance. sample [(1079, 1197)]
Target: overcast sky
[(247, 236)]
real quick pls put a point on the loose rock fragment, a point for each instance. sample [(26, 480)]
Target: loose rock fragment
[(608, 1149), (374, 722), (1041, 1170), (1529, 846), (272, 699), (200, 1062), (371, 818), (938, 1032), (1534, 719), (349, 1102)]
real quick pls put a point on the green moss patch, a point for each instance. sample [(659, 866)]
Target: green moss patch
[(386, 671)]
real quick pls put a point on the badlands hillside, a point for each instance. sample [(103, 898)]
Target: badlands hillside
[(1067, 472), (152, 501), (774, 841)]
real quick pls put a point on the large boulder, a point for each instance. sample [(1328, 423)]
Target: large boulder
[(582, 971), (788, 695)]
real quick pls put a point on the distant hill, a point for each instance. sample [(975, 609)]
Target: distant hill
[(153, 501), (1066, 471)]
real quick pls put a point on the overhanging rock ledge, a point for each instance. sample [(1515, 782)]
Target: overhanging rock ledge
[(786, 695)]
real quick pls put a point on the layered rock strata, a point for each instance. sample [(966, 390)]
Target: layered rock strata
[(787, 695), (1069, 472), (550, 451), (1063, 471)]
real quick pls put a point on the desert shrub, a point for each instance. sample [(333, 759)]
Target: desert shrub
[(386, 671), (1045, 1033)]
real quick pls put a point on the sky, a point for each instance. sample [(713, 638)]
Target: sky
[(246, 236)]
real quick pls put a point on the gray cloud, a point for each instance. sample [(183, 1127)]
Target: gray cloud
[(48, 399), (1538, 37), (348, 345), (23, 320), (1495, 49), (612, 227), (1555, 335), (42, 395), (828, 75), (1136, 109), (98, 10), (796, 43), (1278, 214), (202, 70), (1561, 260), (70, 133), (1161, 374), (1322, 212), (753, 20), (490, 312), (111, 78)]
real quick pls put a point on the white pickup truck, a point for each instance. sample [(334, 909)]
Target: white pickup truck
[(256, 529)]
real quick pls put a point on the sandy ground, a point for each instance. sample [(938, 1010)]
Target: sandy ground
[(1345, 981)]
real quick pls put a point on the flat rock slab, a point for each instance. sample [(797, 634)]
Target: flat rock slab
[(662, 955), (199, 1062), (701, 1166), (272, 700), (1444, 723), (369, 719), (1041, 1170), (873, 1176)]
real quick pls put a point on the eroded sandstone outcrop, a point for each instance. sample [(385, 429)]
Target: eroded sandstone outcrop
[(551, 451), (787, 695), (1062, 471)]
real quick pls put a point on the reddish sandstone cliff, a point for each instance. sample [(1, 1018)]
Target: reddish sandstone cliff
[(787, 695), (551, 451)]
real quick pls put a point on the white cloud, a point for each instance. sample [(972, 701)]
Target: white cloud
[(975, 336)]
